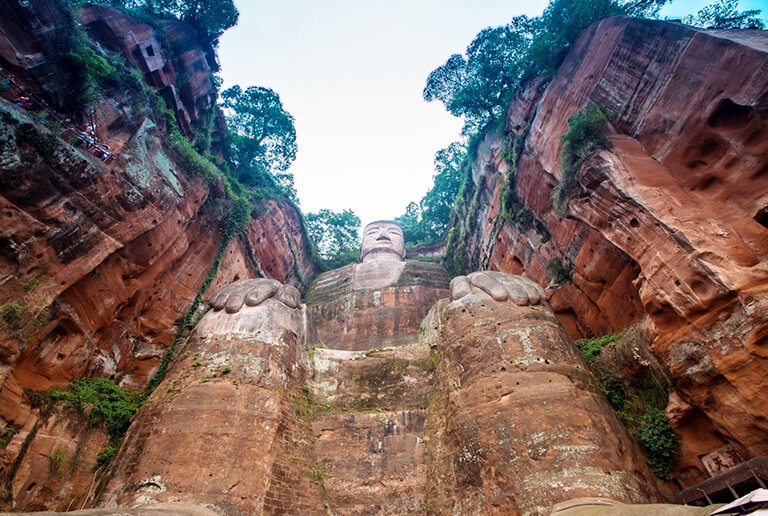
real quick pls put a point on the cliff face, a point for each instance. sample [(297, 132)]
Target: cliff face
[(670, 221), (172, 59), (99, 262)]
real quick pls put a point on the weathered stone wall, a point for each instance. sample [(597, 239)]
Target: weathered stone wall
[(514, 425), (224, 427), (172, 59), (60, 454), (106, 259), (668, 222)]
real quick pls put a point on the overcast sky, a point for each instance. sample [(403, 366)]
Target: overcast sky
[(351, 72)]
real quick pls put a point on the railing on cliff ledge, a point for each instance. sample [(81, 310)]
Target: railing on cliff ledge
[(86, 137), (728, 486)]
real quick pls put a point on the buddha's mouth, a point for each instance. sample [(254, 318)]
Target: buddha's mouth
[(383, 238)]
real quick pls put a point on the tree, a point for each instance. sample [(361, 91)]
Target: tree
[(427, 222), (410, 221), (437, 204), (725, 14), (262, 135), (336, 236), (209, 17), (479, 85)]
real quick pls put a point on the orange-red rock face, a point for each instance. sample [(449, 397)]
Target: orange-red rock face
[(276, 246), (221, 429), (182, 75), (513, 415), (670, 221), (61, 452), (105, 259)]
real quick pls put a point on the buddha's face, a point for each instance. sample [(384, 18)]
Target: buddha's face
[(382, 240)]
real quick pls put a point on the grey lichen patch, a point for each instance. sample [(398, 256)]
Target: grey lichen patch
[(166, 168)]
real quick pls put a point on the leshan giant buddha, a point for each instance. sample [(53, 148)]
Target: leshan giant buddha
[(359, 404), (379, 302)]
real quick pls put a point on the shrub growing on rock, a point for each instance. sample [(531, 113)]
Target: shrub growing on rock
[(659, 441), (107, 402), (586, 135)]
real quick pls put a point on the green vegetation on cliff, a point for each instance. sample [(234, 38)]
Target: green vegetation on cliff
[(640, 406), (479, 84), (637, 389), (586, 135), (209, 17), (105, 402), (590, 348), (261, 139)]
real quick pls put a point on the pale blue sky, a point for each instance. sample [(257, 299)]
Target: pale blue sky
[(351, 72)]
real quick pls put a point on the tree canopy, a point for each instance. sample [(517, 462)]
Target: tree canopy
[(212, 16), (262, 136), (725, 14), (209, 17), (479, 84), (335, 236), (428, 221)]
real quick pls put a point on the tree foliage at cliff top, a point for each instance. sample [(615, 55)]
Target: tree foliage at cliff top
[(479, 84), (335, 236), (427, 222), (209, 17), (725, 14), (262, 137)]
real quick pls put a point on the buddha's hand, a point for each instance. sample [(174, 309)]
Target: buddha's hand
[(253, 292), (500, 287)]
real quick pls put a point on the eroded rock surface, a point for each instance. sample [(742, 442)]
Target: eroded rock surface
[(374, 305), (513, 425), (669, 222), (172, 58), (105, 259), (223, 429)]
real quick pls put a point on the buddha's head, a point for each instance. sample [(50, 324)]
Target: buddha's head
[(382, 240)]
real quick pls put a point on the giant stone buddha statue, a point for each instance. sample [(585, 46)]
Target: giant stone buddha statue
[(466, 397)]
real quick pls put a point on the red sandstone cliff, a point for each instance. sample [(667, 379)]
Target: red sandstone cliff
[(105, 259), (671, 221)]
